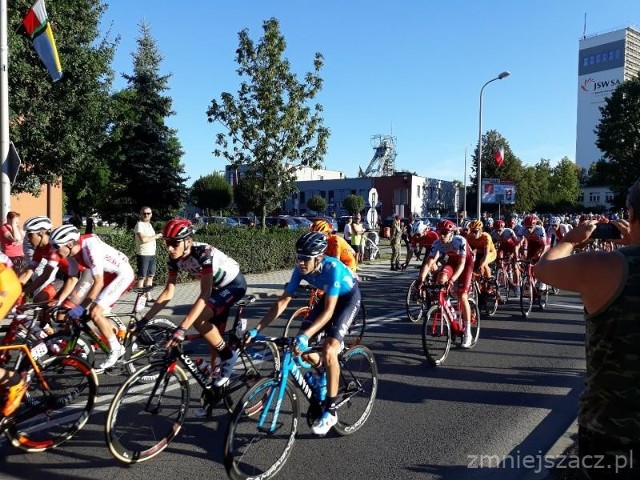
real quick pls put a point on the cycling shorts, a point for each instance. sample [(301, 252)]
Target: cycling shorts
[(464, 280), (222, 299), (345, 312), (115, 284), (80, 291), (480, 258)]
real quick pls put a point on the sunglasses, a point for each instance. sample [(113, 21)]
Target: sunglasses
[(173, 242), (474, 231), (146, 213), (305, 258), (444, 233)]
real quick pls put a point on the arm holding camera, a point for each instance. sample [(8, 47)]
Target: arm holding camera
[(595, 275)]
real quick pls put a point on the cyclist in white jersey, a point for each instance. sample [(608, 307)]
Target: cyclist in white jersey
[(112, 276)]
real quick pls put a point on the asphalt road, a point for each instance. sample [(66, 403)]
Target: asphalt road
[(501, 405)]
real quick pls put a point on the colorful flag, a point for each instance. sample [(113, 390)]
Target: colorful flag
[(499, 156), (36, 23)]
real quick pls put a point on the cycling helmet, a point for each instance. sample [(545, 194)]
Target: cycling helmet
[(465, 225), (321, 226), (178, 229), (63, 235), (499, 224), (35, 224), (311, 244), (555, 221), (475, 225), (418, 227), (530, 221), (447, 225), (488, 222)]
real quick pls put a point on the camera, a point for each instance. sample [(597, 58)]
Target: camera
[(606, 231)]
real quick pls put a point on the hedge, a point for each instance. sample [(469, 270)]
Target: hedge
[(255, 250)]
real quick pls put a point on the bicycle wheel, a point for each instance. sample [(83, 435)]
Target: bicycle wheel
[(526, 295), (502, 281), (357, 389), (295, 321), (259, 360), (474, 322), (137, 353), (415, 303), (143, 418), (355, 333), (492, 297), (436, 336), (52, 414), (258, 442), (58, 343)]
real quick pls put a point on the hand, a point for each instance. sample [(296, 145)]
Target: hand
[(76, 312), (250, 335), (301, 343), (579, 235), (177, 337), (625, 229)]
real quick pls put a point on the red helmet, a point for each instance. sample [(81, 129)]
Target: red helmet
[(530, 221), (447, 225), (178, 228), (499, 224)]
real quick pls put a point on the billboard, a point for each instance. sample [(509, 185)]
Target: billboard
[(495, 191)]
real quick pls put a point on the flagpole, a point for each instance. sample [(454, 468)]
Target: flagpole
[(5, 184)]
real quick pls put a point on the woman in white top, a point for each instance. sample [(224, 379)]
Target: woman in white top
[(145, 249)]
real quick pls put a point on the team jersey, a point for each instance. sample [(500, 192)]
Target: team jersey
[(204, 259), (482, 243), (97, 256), (339, 248), (333, 278), (508, 239), (537, 237), (425, 240), (456, 249)]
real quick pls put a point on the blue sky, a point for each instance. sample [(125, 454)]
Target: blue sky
[(411, 69)]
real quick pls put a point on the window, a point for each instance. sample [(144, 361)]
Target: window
[(581, 197), (418, 191), (608, 197), (302, 199), (594, 197)]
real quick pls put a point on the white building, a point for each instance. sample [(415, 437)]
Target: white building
[(604, 62)]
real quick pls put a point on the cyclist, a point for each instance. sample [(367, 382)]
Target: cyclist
[(49, 268), (334, 313), (508, 246), (111, 273), (422, 237), (481, 243), (337, 247), (458, 266), (536, 241), (221, 286), (12, 385)]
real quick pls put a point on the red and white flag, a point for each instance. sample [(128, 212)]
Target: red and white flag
[(499, 156)]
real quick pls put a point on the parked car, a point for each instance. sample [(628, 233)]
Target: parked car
[(226, 221), (303, 222), (244, 221), (283, 222)]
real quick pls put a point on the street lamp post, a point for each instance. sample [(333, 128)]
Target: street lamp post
[(499, 77)]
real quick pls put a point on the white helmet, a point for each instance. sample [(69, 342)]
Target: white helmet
[(555, 221), (35, 224), (63, 235), (418, 227)]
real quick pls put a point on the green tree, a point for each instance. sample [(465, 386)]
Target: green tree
[(618, 137), (353, 204), (144, 152), (565, 183), (58, 127), (317, 203), (526, 195), (269, 127), (597, 173), (211, 192)]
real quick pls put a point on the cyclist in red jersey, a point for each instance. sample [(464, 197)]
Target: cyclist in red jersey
[(112, 276), (421, 237), (458, 266)]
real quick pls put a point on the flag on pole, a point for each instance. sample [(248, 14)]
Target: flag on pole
[(36, 24), (499, 156)]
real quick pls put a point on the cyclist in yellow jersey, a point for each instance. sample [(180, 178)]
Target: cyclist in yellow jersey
[(337, 246), (12, 386), (482, 244)]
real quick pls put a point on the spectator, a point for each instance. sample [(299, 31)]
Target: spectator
[(357, 233), (11, 240), (608, 283), (347, 230), (396, 236), (146, 238)]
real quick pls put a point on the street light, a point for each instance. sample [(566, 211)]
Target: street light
[(499, 77)]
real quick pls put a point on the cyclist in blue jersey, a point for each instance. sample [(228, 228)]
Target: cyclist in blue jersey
[(333, 314)]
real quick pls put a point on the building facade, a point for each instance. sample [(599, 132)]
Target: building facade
[(604, 62)]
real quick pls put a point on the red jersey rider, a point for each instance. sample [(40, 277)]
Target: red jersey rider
[(458, 266)]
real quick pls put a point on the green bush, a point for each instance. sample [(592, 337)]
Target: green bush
[(255, 250)]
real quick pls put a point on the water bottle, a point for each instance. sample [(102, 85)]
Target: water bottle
[(321, 386), (241, 327), (311, 379)]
